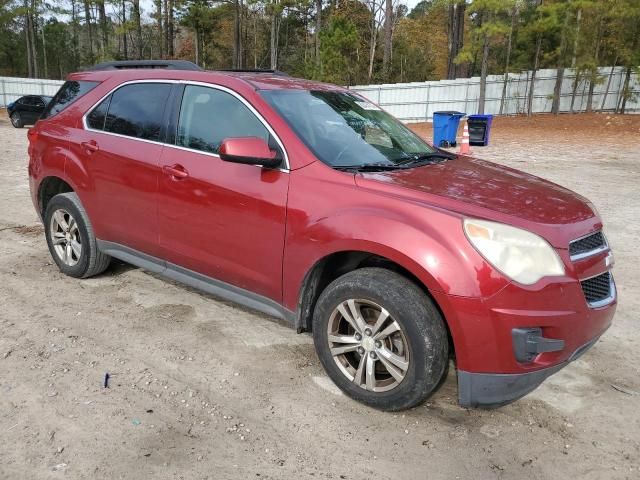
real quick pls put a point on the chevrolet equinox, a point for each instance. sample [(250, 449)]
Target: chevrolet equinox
[(309, 203)]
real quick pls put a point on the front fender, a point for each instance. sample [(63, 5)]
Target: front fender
[(426, 242)]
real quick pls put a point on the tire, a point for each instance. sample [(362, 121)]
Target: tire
[(74, 249), (420, 346), (16, 120)]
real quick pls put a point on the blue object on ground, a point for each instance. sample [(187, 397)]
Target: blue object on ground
[(479, 129), (445, 128)]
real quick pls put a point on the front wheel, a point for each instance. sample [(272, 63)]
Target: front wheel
[(380, 339)]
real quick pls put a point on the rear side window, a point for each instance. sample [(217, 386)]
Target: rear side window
[(68, 93), (98, 115), (137, 110)]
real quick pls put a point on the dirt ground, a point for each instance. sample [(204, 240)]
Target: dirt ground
[(201, 389)]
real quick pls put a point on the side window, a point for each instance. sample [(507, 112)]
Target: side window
[(98, 115), (38, 102), (208, 116), (137, 110), (68, 93)]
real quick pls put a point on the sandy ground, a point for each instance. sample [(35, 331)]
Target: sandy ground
[(203, 389)]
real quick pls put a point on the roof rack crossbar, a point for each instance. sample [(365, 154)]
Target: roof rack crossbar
[(151, 64)]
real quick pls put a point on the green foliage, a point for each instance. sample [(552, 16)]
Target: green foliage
[(339, 41), (608, 32)]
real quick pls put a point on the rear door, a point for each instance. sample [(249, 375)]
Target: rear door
[(121, 146), (221, 219), (28, 110)]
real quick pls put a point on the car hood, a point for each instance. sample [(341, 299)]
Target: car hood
[(476, 187)]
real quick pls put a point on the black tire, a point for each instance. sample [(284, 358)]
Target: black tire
[(16, 120), (422, 325), (91, 261)]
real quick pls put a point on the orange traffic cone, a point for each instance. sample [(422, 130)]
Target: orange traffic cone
[(465, 149)]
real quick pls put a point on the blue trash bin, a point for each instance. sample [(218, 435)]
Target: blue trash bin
[(479, 129), (445, 128)]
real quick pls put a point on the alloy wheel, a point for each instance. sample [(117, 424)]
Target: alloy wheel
[(15, 119), (368, 345), (65, 237)]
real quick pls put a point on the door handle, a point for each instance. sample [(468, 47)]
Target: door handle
[(90, 146), (178, 172)]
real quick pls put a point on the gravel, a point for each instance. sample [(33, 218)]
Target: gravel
[(141, 329)]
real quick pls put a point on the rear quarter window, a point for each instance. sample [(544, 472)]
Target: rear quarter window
[(70, 91)]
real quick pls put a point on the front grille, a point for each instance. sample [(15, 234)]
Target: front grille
[(597, 289), (585, 245)]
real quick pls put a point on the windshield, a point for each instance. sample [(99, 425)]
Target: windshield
[(344, 129)]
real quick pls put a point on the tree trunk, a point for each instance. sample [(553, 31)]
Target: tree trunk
[(102, 16), (455, 37), (87, 20), (74, 34), (124, 31), (514, 12), (165, 37), (34, 45), (318, 28), (170, 29), (237, 34), (274, 41), (574, 90), (372, 52), (483, 73), (593, 77), (255, 42), (625, 90), (138, 24), (197, 45), (557, 89), (27, 36), (44, 53), (575, 40), (388, 40), (159, 28), (533, 76)]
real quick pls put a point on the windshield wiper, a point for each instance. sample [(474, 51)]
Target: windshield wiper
[(426, 158), (369, 167)]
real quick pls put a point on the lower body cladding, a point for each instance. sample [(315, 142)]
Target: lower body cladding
[(496, 389), (508, 344)]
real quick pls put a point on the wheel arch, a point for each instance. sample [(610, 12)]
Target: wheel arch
[(334, 265), (50, 187)]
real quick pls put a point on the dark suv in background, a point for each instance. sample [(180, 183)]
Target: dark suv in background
[(27, 110)]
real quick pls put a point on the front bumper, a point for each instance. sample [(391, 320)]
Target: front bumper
[(508, 344), (491, 390)]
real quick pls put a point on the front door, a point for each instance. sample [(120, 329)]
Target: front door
[(220, 219)]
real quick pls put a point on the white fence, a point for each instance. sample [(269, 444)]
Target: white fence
[(12, 88), (416, 102)]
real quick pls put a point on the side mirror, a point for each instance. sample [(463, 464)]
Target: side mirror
[(250, 151)]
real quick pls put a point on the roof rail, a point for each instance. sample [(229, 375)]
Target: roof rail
[(253, 70), (153, 64)]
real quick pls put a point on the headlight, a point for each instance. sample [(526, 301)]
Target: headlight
[(521, 255)]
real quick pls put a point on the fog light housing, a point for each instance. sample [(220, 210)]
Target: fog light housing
[(528, 343)]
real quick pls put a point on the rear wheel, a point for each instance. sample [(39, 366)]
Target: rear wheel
[(16, 120), (70, 237), (380, 338)]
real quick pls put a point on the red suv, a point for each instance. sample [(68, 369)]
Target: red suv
[(309, 203)]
